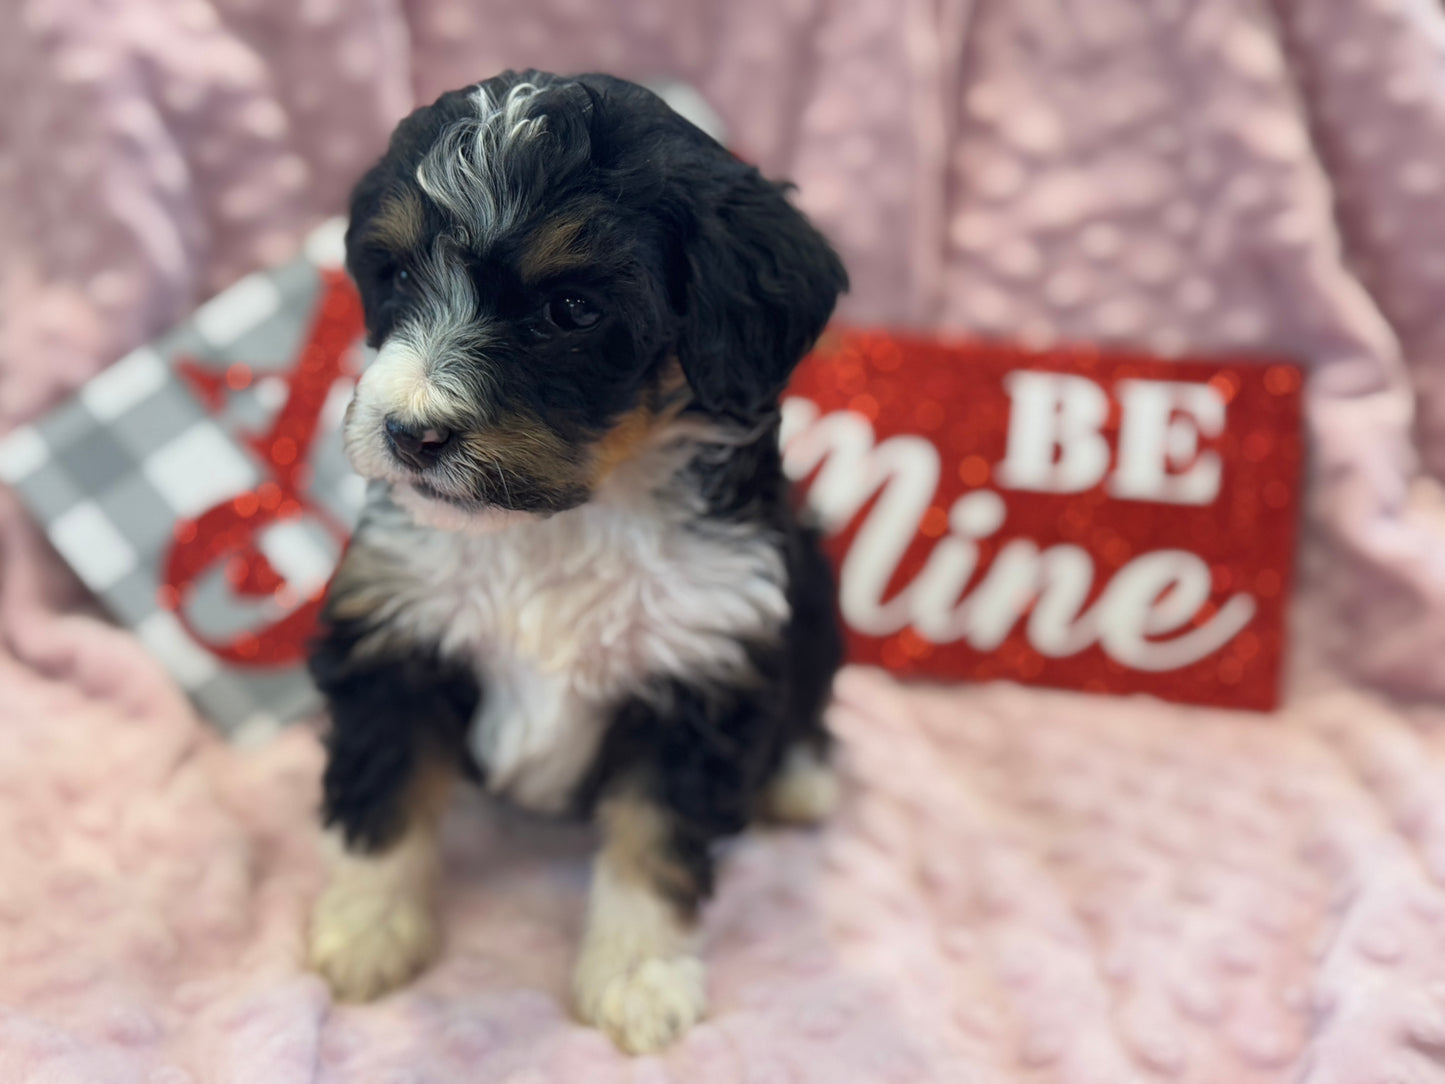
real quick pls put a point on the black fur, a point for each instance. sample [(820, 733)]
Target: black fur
[(388, 710)]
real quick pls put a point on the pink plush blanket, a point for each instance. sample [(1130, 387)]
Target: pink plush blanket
[(1022, 886)]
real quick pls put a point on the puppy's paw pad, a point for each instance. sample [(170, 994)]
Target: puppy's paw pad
[(367, 945), (805, 790), (647, 1007)]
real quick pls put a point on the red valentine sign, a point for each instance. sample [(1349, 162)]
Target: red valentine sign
[(1073, 518)]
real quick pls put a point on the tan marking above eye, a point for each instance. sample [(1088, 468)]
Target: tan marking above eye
[(398, 224), (552, 249)]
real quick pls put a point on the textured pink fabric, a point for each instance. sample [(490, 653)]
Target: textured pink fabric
[(1023, 886)]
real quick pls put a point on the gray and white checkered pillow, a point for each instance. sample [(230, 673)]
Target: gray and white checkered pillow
[(111, 472)]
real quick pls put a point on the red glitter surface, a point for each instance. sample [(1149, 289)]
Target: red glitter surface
[(953, 395)]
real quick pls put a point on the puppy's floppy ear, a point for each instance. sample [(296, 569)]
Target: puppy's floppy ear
[(761, 283)]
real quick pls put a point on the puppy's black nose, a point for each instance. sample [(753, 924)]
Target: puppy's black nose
[(413, 445)]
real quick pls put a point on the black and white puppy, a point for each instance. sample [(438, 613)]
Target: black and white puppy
[(579, 579)]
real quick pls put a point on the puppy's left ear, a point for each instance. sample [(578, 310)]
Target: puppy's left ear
[(761, 283)]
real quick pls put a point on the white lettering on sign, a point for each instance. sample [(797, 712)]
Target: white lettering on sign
[(1055, 442), (853, 470), (1159, 593), (1142, 619), (1160, 424)]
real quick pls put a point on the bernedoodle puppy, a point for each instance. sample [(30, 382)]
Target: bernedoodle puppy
[(579, 580)]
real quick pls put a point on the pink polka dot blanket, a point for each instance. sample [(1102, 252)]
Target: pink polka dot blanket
[(1022, 884)]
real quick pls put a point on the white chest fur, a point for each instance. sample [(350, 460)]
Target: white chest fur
[(565, 617)]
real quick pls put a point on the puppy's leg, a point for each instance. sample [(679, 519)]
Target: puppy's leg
[(374, 927), (639, 977), (392, 757), (804, 788), (679, 770)]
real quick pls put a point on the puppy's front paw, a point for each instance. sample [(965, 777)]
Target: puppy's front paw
[(805, 790), (365, 944), (643, 1007)]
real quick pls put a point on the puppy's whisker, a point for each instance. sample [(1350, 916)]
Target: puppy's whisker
[(502, 477)]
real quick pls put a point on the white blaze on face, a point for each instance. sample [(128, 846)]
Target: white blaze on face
[(399, 382), (396, 382), (430, 372)]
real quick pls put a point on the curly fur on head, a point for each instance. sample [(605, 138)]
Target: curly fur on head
[(535, 255)]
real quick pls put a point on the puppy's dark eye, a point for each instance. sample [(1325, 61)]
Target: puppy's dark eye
[(395, 276), (571, 313)]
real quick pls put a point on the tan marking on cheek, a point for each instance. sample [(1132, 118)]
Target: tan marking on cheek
[(633, 432), (552, 249), (398, 224), (622, 442), (672, 381), (671, 393), (525, 448)]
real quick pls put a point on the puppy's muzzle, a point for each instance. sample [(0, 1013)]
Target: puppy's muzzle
[(413, 445)]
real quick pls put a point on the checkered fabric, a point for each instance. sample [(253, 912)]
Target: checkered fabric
[(112, 472)]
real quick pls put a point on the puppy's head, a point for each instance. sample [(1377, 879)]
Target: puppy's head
[(551, 268)]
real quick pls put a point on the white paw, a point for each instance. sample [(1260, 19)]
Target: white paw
[(805, 790), (366, 944), (647, 1006)]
